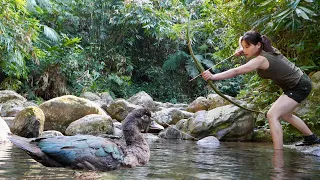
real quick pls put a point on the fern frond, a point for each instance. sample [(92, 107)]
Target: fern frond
[(16, 58)]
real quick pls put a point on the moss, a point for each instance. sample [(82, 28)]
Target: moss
[(219, 127)]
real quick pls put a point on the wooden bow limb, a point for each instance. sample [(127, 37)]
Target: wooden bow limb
[(201, 69)]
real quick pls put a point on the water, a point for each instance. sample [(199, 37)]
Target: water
[(178, 159)]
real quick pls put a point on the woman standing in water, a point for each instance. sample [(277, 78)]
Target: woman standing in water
[(271, 64)]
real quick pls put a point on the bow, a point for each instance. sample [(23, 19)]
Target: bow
[(201, 69)]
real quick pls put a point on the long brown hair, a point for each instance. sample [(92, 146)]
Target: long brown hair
[(253, 37)]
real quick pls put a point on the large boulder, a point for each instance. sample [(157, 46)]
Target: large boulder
[(93, 124), (12, 103), (29, 122), (226, 123), (229, 123), (61, 111)]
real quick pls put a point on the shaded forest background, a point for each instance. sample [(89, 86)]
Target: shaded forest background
[(49, 48)]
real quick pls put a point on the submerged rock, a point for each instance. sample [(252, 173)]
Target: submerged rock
[(210, 142)]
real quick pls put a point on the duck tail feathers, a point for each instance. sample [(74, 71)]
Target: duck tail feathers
[(30, 146)]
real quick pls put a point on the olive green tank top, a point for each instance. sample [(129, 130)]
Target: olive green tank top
[(283, 72)]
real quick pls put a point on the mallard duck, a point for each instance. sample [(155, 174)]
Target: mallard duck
[(92, 152)]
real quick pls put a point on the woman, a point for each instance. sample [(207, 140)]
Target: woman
[(271, 64)]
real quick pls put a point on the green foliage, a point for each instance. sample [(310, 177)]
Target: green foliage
[(124, 47), (167, 86), (17, 32)]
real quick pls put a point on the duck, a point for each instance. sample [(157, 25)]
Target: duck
[(90, 152)]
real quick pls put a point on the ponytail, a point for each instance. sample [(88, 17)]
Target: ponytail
[(266, 44)]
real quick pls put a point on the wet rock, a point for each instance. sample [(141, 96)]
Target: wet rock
[(210, 142)]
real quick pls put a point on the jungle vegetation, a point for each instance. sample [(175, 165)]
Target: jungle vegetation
[(49, 48)]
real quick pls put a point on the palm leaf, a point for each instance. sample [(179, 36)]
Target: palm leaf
[(191, 68), (50, 33), (174, 61)]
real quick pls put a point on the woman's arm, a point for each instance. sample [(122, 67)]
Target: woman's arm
[(253, 64)]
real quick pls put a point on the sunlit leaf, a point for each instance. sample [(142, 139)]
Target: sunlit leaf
[(307, 11), (301, 13), (265, 3)]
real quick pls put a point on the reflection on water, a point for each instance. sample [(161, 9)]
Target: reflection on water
[(175, 159)]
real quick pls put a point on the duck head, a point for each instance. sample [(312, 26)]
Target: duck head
[(136, 120)]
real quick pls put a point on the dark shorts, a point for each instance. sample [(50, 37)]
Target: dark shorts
[(301, 91)]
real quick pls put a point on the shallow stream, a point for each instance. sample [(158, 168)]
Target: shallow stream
[(179, 159)]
